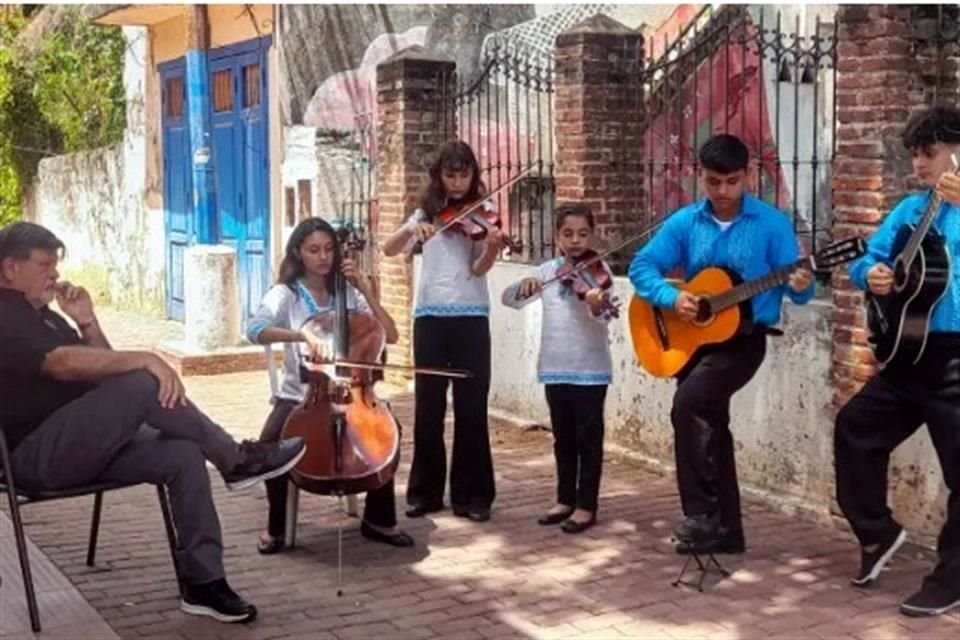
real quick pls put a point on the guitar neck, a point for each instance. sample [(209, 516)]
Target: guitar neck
[(916, 238), (747, 290)]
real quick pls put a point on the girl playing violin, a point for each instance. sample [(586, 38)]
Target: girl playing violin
[(575, 366), (304, 288), (451, 329)]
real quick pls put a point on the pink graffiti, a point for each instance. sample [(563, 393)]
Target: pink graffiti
[(344, 95)]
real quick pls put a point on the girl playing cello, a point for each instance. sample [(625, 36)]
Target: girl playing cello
[(305, 288), (575, 366)]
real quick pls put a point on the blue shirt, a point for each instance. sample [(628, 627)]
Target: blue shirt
[(759, 241), (946, 315)]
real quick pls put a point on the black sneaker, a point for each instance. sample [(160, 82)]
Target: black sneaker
[(264, 460), (727, 541), (932, 600), (698, 529), (217, 600), (873, 561)]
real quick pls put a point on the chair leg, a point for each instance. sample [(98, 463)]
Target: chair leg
[(293, 502), (171, 532), (94, 528), (18, 534)]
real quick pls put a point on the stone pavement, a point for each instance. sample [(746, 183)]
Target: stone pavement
[(502, 579)]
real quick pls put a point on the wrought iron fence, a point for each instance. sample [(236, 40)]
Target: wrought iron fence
[(765, 76), (360, 207), (506, 116)]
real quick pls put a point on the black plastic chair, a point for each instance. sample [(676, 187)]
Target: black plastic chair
[(19, 496)]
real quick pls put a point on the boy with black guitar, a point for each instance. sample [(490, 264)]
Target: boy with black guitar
[(914, 316)]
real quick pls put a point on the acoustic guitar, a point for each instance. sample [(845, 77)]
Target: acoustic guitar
[(899, 322), (664, 342)]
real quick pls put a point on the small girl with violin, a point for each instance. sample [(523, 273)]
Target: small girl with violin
[(451, 329), (574, 365), (304, 288)]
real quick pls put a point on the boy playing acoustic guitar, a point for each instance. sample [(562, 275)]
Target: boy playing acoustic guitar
[(737, 231), (906, 394)]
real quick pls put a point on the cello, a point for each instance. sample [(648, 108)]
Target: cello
[(352, 438)]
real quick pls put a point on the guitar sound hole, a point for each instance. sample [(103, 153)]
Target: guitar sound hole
[(704, 314)]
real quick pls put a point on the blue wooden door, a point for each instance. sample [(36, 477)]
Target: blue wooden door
[(241, 162), (177, 181)]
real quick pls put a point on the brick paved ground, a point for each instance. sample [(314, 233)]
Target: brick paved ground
[(505, 578)]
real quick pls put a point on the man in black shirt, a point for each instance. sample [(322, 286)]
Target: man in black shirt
[(76, 411)]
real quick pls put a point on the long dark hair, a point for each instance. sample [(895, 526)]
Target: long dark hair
[(292, 268), (455, 155)]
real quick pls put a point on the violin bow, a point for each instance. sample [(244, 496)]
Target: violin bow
[(476, 205), (374, 366)]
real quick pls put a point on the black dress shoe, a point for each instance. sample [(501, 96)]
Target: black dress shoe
[(478, 514), (399, 539), (554, 518), (420, 510), (726, 541), (698, 529), (572, 526), (268, 547)]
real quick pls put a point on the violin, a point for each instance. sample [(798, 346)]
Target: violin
[(589, 260), (592, 275), (476, 223), (474, 220)]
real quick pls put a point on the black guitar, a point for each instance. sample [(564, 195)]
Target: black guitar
[(900, 321)]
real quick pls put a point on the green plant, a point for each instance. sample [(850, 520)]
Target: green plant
[(66, 97)]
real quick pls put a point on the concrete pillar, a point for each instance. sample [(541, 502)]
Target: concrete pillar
[(211, 299)]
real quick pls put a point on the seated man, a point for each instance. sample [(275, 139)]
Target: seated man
[(74, 412)]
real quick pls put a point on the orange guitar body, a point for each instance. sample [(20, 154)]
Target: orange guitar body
[(683, 338)]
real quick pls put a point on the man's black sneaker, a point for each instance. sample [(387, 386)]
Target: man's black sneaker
[(727, 541), (932, 600), (698, 529), (264, 460), (217, 600), (873, 561)]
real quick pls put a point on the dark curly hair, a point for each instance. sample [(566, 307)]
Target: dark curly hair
[(930, 126)]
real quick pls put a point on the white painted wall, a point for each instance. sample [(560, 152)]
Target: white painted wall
[(95, 201), (782, 421)]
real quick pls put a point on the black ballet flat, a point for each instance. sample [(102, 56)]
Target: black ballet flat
[(572, 526), (554, 518), (420, 510), (399, 539), (269, 547)]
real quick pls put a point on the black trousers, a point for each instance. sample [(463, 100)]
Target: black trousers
[(379, 509), (464, 343), (706, 467), (576, 415), (888, 410)]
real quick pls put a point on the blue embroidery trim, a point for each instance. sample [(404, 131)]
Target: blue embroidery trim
[(574, 377), (452, 310), (255, 329)]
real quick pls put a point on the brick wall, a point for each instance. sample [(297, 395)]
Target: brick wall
[(410, 110), (597, 119), (882, 77)]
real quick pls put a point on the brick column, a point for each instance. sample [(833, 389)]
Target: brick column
[(879, 84), (598, 116), (410, 112)]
